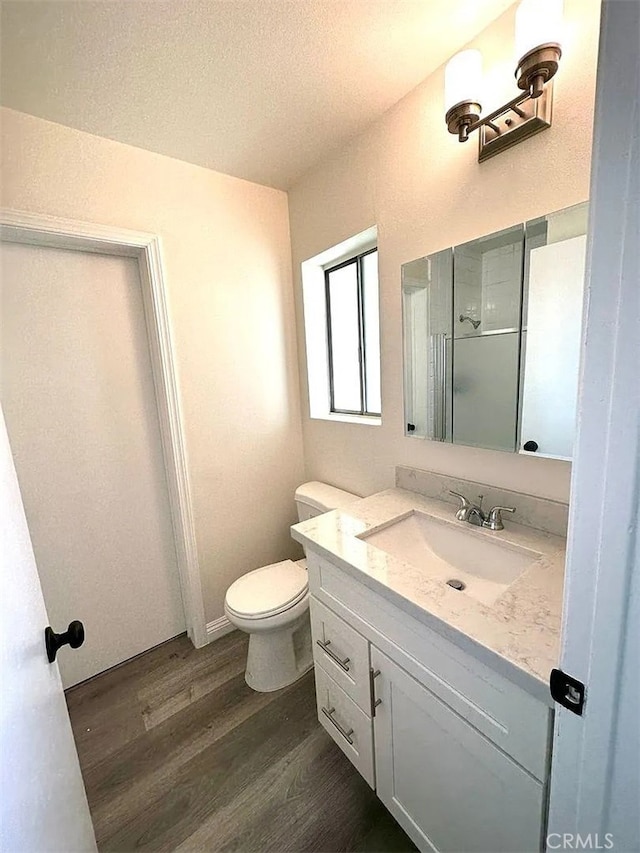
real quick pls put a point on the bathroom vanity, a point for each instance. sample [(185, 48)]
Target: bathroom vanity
[(439, 696)]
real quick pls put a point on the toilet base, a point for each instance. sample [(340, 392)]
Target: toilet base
[(278, 658)]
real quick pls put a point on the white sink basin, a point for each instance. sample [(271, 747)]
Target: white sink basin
[(449, 551)]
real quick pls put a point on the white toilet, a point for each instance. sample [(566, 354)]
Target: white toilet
[(271, 604)]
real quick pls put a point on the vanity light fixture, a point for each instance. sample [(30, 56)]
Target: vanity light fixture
[(538, 24)]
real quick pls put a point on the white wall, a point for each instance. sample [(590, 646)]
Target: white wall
[(426, 192), (228, 268)]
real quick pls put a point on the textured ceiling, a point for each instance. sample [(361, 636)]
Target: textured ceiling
[(261, 90)]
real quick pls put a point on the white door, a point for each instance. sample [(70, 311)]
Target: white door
[(43, 806), (448, 786), (81, 414), (595, 773)]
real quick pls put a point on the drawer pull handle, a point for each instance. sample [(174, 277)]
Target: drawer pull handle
[(373, 674), (324, 645), (329, 712)]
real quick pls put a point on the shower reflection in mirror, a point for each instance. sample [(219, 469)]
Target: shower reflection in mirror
[(492, 337)]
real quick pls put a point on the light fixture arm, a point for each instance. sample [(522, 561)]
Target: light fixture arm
[(511, 106)]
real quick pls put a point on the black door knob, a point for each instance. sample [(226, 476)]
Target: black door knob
[(74, 636)]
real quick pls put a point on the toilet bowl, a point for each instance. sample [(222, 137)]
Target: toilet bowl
[(271, 604)]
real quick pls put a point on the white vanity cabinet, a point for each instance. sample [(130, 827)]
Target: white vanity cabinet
[(457, 753)]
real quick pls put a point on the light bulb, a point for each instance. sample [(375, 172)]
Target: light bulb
[(537, 22), (463, 78)]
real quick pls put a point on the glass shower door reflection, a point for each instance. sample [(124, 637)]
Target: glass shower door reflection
[(427, 309), (487, 304)]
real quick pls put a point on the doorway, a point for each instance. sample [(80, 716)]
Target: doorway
[(81, 413)]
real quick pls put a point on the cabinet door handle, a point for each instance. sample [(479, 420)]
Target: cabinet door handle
[(329, 712), (373, 674), (324, 645)]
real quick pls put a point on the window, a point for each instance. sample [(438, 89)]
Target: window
[(353, 335), (342, 330)]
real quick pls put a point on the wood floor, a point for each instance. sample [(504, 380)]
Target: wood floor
[(177, 753)]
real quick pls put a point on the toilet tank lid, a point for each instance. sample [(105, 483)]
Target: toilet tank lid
[(323, 496)]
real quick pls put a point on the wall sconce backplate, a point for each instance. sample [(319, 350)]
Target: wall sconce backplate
[(521, 118)]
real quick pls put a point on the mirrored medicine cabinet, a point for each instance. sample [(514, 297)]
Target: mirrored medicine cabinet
[(492, 338)]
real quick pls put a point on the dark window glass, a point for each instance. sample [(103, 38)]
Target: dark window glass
[(353, 327)]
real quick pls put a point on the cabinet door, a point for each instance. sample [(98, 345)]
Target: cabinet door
[(449, 787)]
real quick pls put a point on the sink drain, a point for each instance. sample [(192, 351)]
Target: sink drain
[(456, 584)]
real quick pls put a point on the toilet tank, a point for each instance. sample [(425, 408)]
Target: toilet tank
[(315, 498)]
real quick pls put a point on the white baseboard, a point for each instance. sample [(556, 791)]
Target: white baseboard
[(218, 628)]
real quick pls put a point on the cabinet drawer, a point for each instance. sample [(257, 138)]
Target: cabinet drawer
[(347, 724), (342, 652), (513, 719)]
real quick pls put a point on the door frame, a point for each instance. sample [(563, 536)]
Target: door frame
[(17, 226)]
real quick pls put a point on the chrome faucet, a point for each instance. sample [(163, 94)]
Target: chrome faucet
[(473, 514), (494, 520), (476, 516)]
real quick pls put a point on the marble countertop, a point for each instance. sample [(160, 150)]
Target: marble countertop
[(519, 634)]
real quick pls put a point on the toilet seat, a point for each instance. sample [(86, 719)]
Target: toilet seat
[(268, 591)]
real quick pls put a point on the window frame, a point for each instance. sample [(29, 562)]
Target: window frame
[(362, 346)]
